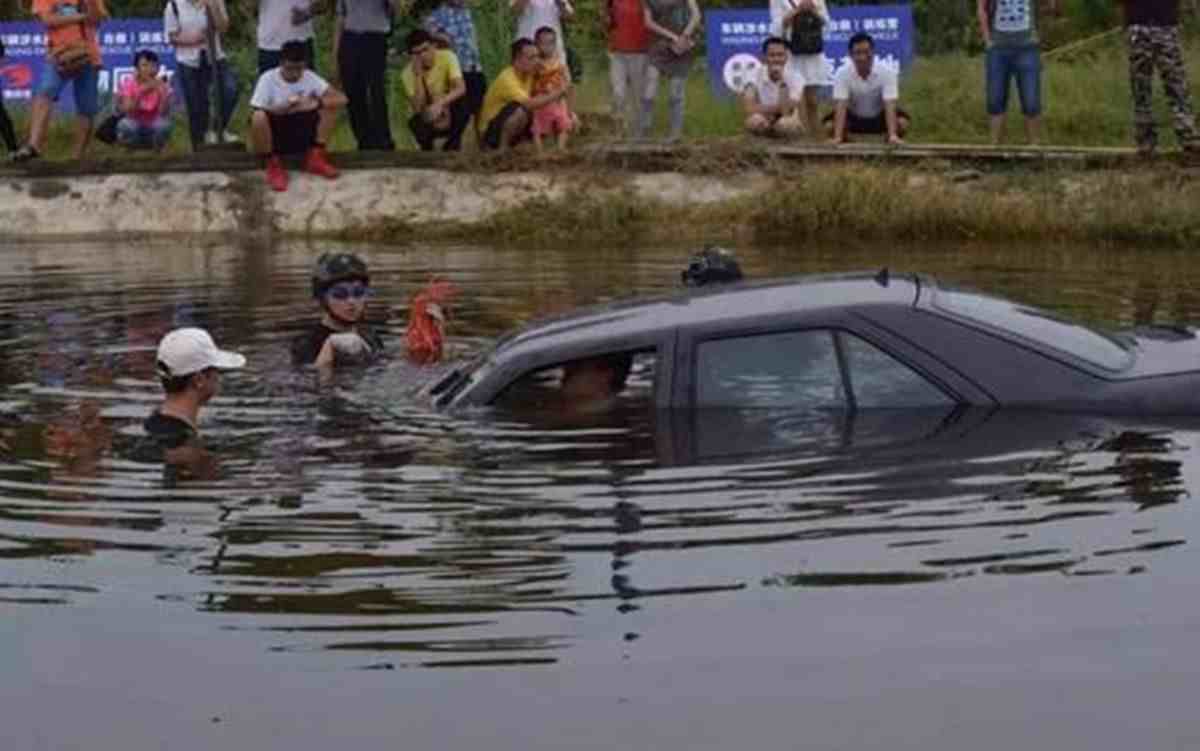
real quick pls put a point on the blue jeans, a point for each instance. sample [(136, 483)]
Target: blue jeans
[(135, 134), (196, 82), (87, 97), (1022, 63)]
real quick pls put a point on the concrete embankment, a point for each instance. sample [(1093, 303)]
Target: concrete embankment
[(768, 195), (143, 205)]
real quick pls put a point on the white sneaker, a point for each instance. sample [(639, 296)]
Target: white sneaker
[(232, 137), (210, 137)]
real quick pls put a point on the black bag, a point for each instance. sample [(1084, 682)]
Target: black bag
[(807, 37), (107, 130)]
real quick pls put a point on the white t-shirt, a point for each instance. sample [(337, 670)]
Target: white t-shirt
[(191, 19), (272, 92), (539, 13), (275, 23), (768, 90), (865, 96)]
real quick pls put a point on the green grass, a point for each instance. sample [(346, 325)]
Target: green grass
[(1086, 102)]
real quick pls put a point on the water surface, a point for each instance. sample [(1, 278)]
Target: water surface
[(364, 570)]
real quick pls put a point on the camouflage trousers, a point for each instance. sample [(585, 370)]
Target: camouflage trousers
[(1153, 47)]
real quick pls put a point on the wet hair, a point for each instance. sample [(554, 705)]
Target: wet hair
[(294, 51), (149, 55), (416, 38), (518, 46), (774, 40), (713, 265), (861, 36), (174, 384), (544, 30)]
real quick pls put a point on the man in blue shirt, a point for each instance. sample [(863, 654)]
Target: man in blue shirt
[(451, 24)]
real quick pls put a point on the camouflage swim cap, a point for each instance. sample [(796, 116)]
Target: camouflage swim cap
[(337, 267)]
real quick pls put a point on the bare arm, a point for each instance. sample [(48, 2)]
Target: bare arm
[(518, 6), (332, 99), (693, 19), (566, 11), (220, 15), (893, 129), (537, 102), (839, 122), (982, 14), (654, 28)]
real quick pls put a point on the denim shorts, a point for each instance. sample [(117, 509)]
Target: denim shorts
[(87, 98), (1024, 64)]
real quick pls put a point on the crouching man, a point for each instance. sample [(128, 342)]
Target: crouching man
[(294, 113), (865, 97), (772, 100)]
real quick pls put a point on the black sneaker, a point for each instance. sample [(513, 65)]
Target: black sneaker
[(24, 154)]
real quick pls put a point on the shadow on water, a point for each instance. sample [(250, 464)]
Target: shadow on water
[(349, 518)]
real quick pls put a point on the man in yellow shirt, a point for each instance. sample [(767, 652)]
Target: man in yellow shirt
[(508, 108), (433, 82)]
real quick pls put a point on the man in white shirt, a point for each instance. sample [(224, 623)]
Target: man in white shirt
[(281, 21), (295, 111), (865, 97), (772, 100)]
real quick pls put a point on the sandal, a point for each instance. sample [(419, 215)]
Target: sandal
[(24, 154)]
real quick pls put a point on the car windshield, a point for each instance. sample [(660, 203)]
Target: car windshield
[(1042, 327)]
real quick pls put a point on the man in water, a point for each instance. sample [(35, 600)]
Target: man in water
[(189, 368), (341, 284), (713, 265)]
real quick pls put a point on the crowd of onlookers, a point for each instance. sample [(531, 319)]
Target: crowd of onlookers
[(294, 110)]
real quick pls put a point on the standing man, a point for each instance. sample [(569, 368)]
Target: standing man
[(434, 86), (195, 28), (628, 41), (281, 21), (801, 24), (1009, 30), (1153, 32), (451, 25), (189, 368), (360, 48), (294, 113), (865, 97), (73, 57)]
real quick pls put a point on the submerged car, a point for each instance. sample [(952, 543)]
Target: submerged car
[(849, 342)]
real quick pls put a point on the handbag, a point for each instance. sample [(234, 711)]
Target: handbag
[(106, 131), (71, 58), (806, 37)]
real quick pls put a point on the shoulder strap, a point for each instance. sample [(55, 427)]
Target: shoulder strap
[(175, 10)]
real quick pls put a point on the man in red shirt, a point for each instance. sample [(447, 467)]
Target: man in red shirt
[(627, 42)]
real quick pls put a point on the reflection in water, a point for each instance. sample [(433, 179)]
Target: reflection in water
[(349, 519)]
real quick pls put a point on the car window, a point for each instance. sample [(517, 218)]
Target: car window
[(786, 369), (587, 384), (878, 380), (1040, 326)]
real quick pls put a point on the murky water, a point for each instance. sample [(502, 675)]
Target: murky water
[(367, 571)]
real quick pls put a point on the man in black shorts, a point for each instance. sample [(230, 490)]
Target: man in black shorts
[(508, 107), (295, 111), (189, 368), (340, 285), (865, 97)]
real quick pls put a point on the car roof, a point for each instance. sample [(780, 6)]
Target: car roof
[(698, 306)]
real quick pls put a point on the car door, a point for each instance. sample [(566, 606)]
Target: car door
[(831, 361)]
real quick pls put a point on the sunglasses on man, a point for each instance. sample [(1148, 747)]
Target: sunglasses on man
[(343, 292)]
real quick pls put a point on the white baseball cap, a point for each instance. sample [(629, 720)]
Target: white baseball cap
[(185, 351)]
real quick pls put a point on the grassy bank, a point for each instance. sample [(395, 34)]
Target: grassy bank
[(860, 203), (1086, 99)]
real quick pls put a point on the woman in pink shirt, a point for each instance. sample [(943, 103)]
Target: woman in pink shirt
[(145, 104)]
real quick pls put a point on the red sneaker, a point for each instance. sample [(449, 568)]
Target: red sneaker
[(277, 176), (317, 162)]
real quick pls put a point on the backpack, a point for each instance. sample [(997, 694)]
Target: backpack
[(806, 37)]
